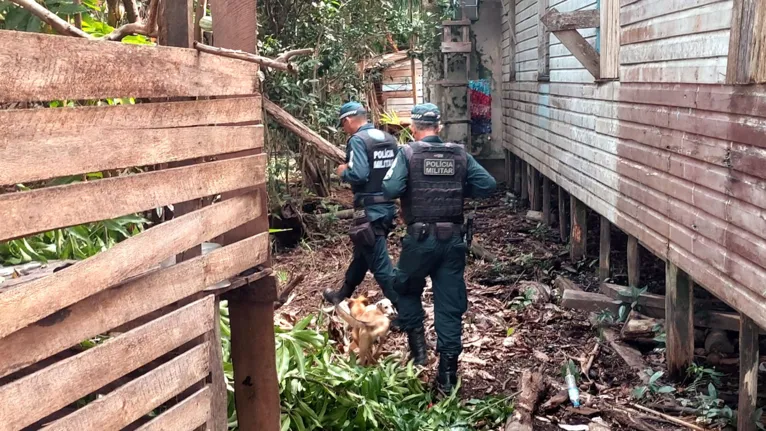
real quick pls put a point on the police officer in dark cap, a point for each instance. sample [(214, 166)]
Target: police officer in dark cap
[(369, 154), (432, 177)]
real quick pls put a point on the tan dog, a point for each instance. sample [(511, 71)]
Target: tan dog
[(369, 323)]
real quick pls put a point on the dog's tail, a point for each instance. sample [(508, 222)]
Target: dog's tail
[(351, 320)]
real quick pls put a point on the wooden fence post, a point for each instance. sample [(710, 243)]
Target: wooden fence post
[(579, 232), (536, 193), (251, 307), (634, 262), (605, 248), (563, 228), (547, 201), (679, 320), (524, 181), (748, 374), (518, 177)]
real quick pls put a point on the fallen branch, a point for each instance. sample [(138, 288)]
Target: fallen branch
[(531, 391), (591, 357), (311, 137), (479, 251), (149, 28), (668, 418), (245, 56), (285, 293)]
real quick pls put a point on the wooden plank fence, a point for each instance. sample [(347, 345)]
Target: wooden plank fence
[(160, 366)]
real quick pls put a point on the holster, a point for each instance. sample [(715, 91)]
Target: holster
[(443, 231), (362, 233)]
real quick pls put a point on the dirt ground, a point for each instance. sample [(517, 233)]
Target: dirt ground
[(505, 331)]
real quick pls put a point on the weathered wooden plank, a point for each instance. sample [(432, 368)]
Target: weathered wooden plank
[(556, 21), (184, 416), (78, 151), (29, 212), (647, 9), (122, 304), (749, 359), (47, 123), (218, 420), (605, 249), (578, 238), (130, 402), (747, 57), (634, 262), (679, 322), (699, 71), (581, 49), (707, 45), (39, 394), (713, 17), (524, 181), (588, 301), (609, 20), (456, 47), (176, 27), (543, 40), (31, 302), (134, 70)]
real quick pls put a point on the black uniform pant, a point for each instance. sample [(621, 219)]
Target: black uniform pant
[(376, 260), (444, 262)]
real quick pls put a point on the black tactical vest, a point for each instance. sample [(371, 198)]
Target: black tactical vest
[(380, 156), (437, 177)]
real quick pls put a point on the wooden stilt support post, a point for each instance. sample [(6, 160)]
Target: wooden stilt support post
[(748, 374), (530, 191), (524, 181), (605, 248), (512, 171), (679, 320), (537, 191), (577, 239), (547, 200), (634, 262), (563, 228), (518, 176), (508, 168)]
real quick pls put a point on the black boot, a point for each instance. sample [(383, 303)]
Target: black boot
[(335, 297), (446, 380), (417, 341)]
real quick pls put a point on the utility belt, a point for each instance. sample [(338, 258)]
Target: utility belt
[(363, 231), (371, 200), (443, 231)]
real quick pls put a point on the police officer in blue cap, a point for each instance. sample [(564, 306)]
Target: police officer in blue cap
[(432, 178), (369, 154)]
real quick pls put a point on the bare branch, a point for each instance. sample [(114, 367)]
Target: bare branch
[(131, 10), (245, 56), (62, 27), (286, 56), (148, 28)]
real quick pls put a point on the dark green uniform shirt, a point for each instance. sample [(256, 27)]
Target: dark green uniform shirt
[(479, 182), (358, 173)]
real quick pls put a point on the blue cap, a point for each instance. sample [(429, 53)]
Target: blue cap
[(350, 109), (426, 113)]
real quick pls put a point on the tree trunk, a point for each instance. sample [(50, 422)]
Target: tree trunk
[(113, 12), (131, 10), (313, 177)]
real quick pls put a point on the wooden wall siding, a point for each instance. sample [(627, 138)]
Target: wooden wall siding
[(675, 41), (681, 167)]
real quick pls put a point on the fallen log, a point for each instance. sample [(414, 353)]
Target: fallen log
[(587, 301), (479, 251), (563, 284), (532, 386), (340, 215), (322, 145), (631, 356)]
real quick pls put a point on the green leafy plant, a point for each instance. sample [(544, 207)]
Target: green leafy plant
[(652, 388), (701, 375), (392, 118), (634, 294), (524, 300), (321, 389)]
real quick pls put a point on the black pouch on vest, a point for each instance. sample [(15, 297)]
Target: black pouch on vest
[(444, 231), (361, 232)]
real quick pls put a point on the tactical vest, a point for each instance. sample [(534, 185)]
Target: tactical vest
[(437, 177), (380, 156)]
